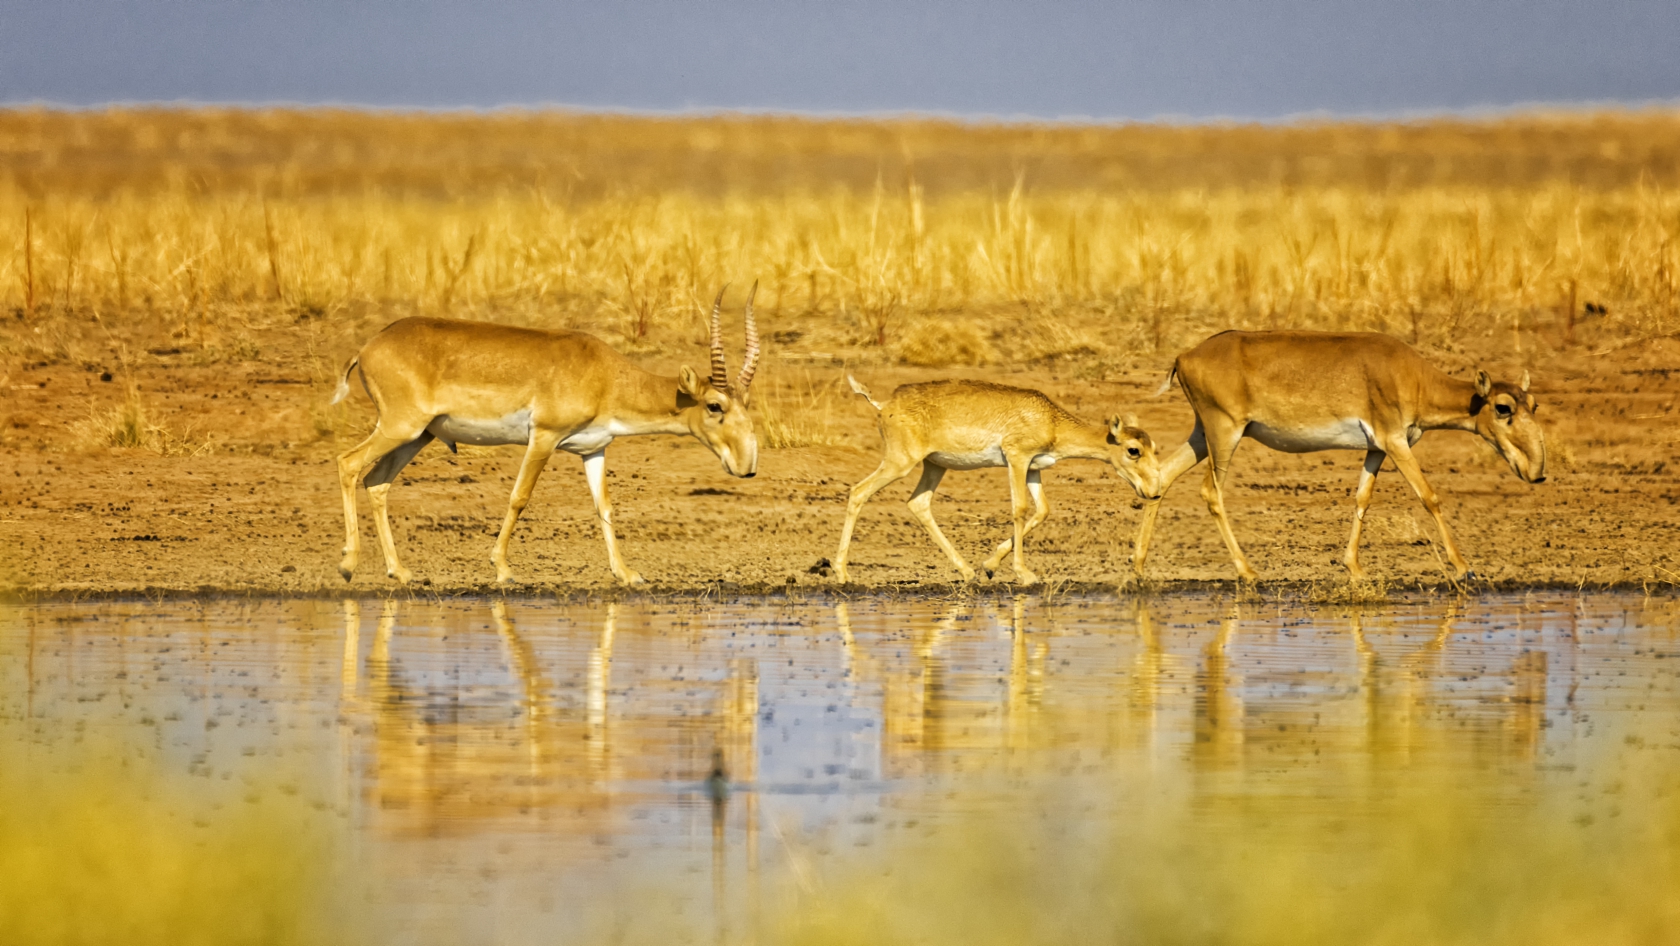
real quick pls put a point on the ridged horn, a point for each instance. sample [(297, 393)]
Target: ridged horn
[(750, 365), (720, 370)]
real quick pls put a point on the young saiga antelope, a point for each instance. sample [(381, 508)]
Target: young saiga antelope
[(1305, 391), (479, 383), (968, 425)]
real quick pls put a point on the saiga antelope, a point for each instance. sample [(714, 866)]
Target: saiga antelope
[(484, 384), (969, 425), (1305, 391)]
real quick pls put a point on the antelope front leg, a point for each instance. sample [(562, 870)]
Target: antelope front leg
[(1361, 499), (1019, 497), (1182, 460), (1041, 508), (1413, 472), (595, 470), (536, 455)]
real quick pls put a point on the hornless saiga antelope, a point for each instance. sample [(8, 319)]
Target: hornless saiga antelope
[(968, 425), (1306, 391), (485, 384)]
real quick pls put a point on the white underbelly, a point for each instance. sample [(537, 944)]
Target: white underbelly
[(482, 432), (1350, 434), (968, 461), (588, 440)]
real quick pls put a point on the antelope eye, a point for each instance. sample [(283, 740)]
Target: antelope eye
[(1503, 410), (714, 408), (1133, 452)]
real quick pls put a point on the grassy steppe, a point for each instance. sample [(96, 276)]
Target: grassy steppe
[(179, 288), (921, 241)]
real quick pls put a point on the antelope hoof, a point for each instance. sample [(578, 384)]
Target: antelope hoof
[(990, 573), (1024, 577), (401, 574), (629, 577), (968, 574), (347, 567)]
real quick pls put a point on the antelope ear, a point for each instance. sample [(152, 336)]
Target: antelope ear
[(1484, 384), (688, 382), (1523, 384)]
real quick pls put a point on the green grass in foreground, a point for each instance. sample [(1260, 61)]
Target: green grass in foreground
[(97, 850)]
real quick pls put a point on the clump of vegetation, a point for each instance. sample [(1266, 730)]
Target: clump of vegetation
[(795, 411), (936, 342), (128, 424)]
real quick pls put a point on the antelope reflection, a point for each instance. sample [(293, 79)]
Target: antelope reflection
[(928, 709), (440, 761)]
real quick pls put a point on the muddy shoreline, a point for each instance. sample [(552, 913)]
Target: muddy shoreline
[(1344, 593), (249, 506)]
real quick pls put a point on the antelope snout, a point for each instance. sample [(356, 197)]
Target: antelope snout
[(745, 470)]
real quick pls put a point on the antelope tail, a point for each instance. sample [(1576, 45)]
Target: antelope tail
[(1167, 384), (344, 380), (860, 389)]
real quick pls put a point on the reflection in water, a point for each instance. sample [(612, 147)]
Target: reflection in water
[(649, 742)]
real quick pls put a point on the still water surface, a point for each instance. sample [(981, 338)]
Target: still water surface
[(521, 765)]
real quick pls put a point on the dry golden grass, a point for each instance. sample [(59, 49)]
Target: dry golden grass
[(927, 242)]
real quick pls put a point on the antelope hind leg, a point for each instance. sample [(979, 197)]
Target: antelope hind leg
[(352, 464), (1222, 446), (1361, 499), (921, 506), (379, 481)]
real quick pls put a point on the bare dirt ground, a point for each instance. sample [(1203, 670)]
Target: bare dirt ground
[(244, 498)]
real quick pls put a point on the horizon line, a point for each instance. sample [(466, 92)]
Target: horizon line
[(1478, 113)]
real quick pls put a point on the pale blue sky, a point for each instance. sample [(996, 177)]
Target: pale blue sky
[(1184, 58)]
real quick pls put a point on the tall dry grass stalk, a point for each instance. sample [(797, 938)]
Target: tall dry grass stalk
[(198, 221)]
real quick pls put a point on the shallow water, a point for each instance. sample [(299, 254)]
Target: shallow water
[(524, 769)]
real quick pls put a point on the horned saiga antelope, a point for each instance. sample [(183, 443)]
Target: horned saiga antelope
[(484, 384), (968, 425), (1306, 391)]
